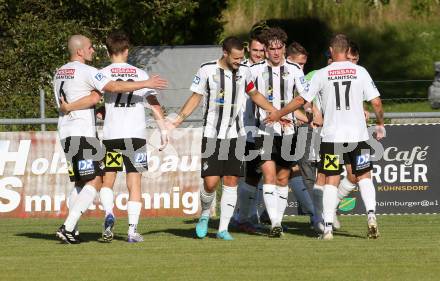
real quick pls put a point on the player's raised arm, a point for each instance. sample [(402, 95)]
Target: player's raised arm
[(83, 103), (154, 82)]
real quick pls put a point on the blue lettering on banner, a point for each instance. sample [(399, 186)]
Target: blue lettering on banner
[(362, 161), (85, 165), (196, 80), (99, 76)]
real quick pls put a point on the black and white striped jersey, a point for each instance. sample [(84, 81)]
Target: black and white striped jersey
[(224, 94), (278, 85), (249, 108)]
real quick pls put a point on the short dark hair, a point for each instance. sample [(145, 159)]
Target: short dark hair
[(296, 49), (354, 49), (340, 43), (273, 34), (117, 42), (232, 42)]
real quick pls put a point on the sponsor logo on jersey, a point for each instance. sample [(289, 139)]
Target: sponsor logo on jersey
[(337, 72), (363, 161), (196, 80), (374, 85), (65, 73), (331, 162), (123, 70), (303, 80), (99, 76)]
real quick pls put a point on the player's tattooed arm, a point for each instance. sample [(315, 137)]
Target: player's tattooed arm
[(83, 103), (187, 109), (378, 111)]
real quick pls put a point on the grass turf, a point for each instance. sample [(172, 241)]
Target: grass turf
[(408, 249)]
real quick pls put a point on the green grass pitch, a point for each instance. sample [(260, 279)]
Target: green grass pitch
[(408, 249)]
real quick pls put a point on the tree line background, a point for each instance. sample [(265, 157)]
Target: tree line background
[(399, 39)]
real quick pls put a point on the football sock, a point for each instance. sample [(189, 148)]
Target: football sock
[(271, 202), (227, 206), (206, 199), (282, 196), (133, 210), (246, 199), (260, 206), (73, 195), (107, 198), (302, 194), (317, 201), (329, 201), (344, 188), (83, 201), (71, 201), (368, 194)]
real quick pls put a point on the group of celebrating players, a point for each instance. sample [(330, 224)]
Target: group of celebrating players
[(252, 110)]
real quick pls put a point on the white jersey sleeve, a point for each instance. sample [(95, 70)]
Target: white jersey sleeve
[(301, 84), (97, 79), (313, 87), (198, 85)]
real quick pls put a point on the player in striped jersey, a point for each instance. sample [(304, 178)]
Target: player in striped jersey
[(343, 86), (248, 199), (223, 84), (277, 79), (76, 87)]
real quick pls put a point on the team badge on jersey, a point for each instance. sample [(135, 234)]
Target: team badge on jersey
[(99, 76), (363, 161), (196, 80), (331, 162), (113, 160), (285, 75)]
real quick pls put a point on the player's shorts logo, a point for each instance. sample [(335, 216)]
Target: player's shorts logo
[(205, 166), (113, 160), (140, 158), (70, 169), (85, 165), (331, 162), (363, 161)]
